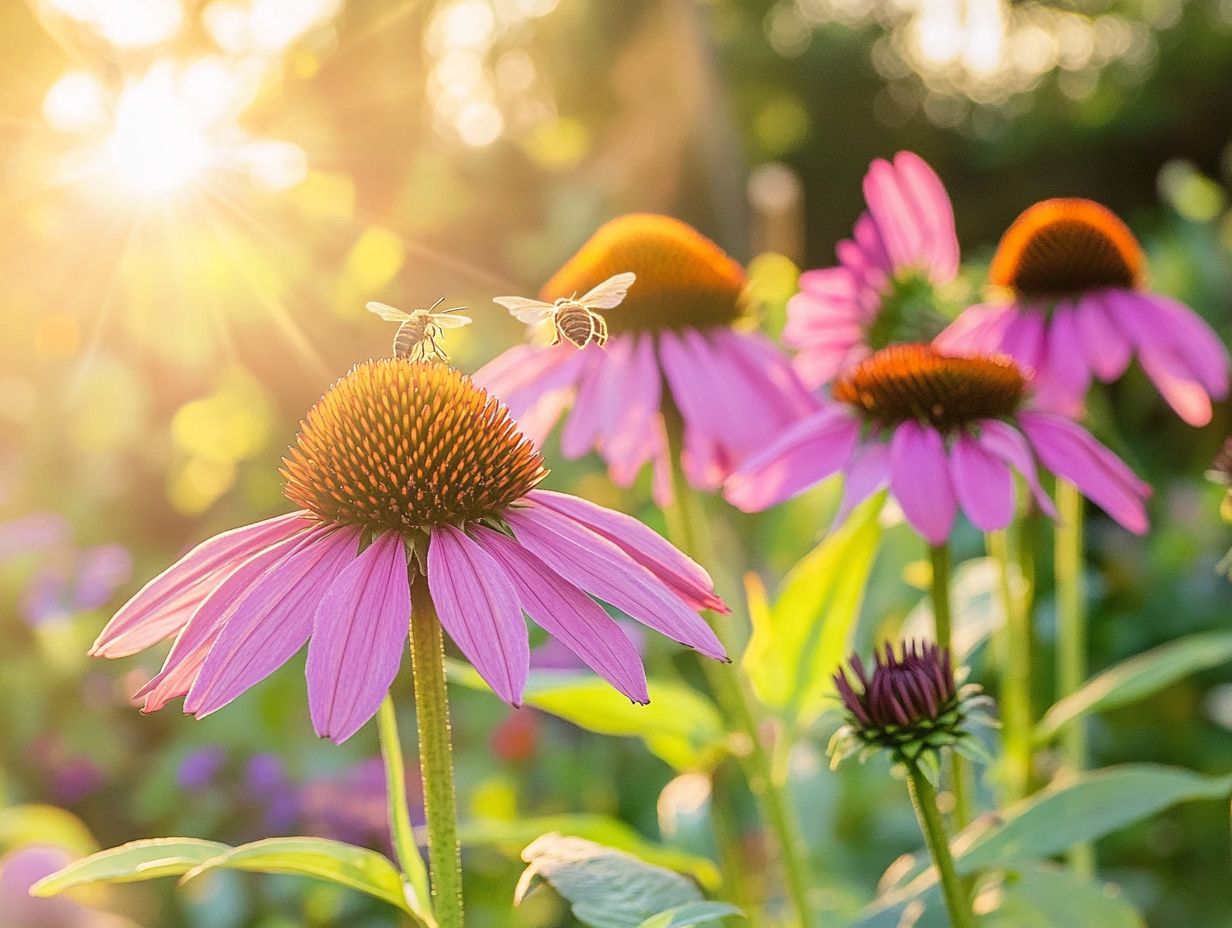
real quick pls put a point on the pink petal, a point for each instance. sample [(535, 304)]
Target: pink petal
[(978, 330), (805, 454), (569, 615), (923, 190), (865, 473), (983, 484), (1069, 451), (479, 607), (359, 632), (164, 605), (1062, 380), (895, 215), (920, 480), (272, 622), (703, 458), (631, 436), (1105, 344), (596, 565), (1194, 341), (598, 398), (535, 383), (673, 567), (1025, 338), (1007, 443)]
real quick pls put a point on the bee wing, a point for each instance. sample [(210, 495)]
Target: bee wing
[(450, 321), (526, 310), (387, 312), (610, 293)]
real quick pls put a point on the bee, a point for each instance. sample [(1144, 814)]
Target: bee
[(419, 329), (574, 317)]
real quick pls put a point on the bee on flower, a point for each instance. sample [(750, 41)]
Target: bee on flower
[(420, 330), (573, 317)]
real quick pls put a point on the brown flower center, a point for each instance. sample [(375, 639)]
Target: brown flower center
[(916, 382), (405, 445), (684, 280), (1063, 247)]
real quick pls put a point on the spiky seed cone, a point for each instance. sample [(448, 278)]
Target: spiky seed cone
[(916, 382), (406, 445), (684, 280)]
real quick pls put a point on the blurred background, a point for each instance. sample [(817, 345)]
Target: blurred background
[(198, 196)]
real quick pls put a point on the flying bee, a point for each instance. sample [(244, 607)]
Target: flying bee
[(419, 330), (574, 317)]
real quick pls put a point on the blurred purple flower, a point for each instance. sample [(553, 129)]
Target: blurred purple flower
[(198, 769), (32, 534), (350, 807)]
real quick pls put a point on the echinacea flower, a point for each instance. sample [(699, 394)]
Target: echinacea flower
[(910, 705), (1073, 305), (406, 472), (943, 433), (674, 348), (901, 248)]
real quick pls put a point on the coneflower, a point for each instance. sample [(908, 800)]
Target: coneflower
[(1071, 302), (675, 347)]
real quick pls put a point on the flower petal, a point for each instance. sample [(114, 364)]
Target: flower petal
[(535, 383), (1107, 348), (978, 329), (1069, 451), (164, 605), (359, 632), (983, 484), (596, 565), (865, 473), (1007, 443), (920, 480), (272, 622), (479, 607), (677, 570), (631, 437), (1064, 375), (569, 615)]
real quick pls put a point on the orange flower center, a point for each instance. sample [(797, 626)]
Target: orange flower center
[(405, 445), (917, 383), (1063, 247), (684, 280)]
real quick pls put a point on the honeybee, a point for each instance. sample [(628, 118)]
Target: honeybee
[(574, 317), (419, 330)]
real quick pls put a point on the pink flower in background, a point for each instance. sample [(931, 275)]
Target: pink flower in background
[(434, 472), (943, 433), (1073, 305), (673, 351), (874, 296)]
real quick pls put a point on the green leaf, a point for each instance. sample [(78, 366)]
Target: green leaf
[(1046, 896), (680, 725), (29, 824), (798, 642), (604, 887), (978, 608), (693, 913), (128, 863), (1137, 678), (354, 867), (515, 834)]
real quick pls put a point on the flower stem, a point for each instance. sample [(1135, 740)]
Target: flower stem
[(924, 801), (1072, 639), (943, 618), (435, 756), (687, 527), (1015, 675), (403, 835)]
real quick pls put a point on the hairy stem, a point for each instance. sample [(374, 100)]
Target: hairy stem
[(924, 801)]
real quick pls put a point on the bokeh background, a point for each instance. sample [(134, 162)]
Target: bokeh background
[(198, 196)]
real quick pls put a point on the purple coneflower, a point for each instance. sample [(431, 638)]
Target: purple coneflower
[(406, 472), (902, 247), (943, 433), (1075, 306), (675, 348)]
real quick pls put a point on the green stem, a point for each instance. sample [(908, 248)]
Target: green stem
[(435, 756), (403, 834), (924, 801), (1015, 676), (943, 618), (687, 527), (1072, 639)]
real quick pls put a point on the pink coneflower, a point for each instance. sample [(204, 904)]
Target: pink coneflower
[(1073, 305), (674, 349), (880, 292), (406, 473), (943, 433)]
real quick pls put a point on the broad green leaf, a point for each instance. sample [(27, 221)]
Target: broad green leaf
[(29, 824), (1044, 896), (354, 867), (799, 641), (690, 914), (515, 834), (1137, 678), (680, 725), (978, 607), (604, 887), (137, 860)]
